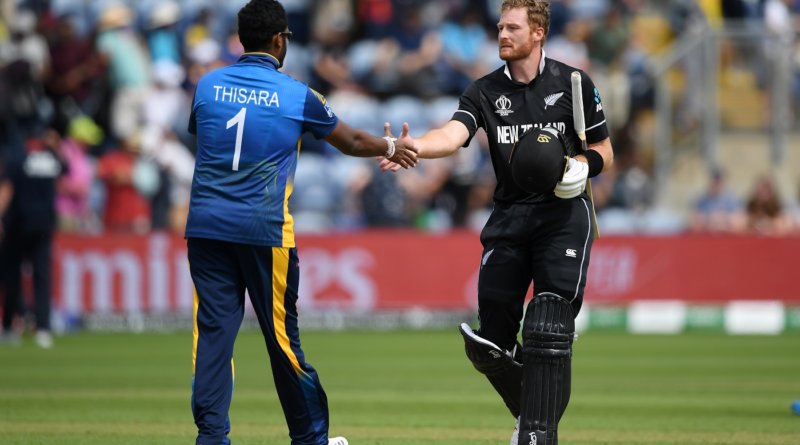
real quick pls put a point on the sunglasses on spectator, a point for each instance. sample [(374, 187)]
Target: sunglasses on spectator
[(287, 35)]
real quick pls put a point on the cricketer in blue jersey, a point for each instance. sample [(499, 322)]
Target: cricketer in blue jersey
[(248, 119)]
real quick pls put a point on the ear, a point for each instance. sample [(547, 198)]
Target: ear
[(277, 43), (538, 34)]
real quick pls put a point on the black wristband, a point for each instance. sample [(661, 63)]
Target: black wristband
[(595, 161)]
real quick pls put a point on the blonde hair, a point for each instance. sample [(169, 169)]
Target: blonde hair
[(538, 11)]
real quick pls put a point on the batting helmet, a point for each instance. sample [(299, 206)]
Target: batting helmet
[(538, 160)]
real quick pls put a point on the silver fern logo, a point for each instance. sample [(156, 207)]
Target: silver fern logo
[(552, 99), (503, 105)]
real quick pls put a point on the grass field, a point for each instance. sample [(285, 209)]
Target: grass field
[(410, 388)]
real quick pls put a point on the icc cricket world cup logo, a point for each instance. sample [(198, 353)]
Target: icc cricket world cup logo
[(503, 105)]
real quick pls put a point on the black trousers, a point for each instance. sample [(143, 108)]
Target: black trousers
[(545, 243), (37, 247)]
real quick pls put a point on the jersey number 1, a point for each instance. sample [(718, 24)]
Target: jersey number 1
[(237, 120)]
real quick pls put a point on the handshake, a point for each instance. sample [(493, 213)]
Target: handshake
[(400, 152)]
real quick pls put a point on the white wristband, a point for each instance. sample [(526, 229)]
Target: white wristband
[(390, 149)]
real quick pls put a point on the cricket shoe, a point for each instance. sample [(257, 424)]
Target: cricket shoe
[(515, 434), (337, 441), (44, 339)]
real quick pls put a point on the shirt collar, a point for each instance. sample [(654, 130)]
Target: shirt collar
[(541, 66), (260, 58)]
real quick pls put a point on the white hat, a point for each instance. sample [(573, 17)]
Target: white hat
[(164, 14), (115, 16)]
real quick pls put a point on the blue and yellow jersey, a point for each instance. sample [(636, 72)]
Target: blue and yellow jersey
[(248, 118)]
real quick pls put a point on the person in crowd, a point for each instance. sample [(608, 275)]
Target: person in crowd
[(127, 207), (163, 38), (24, 65), (74, 187), (128, 68), (718, 210), (765, 211), (77, 82)]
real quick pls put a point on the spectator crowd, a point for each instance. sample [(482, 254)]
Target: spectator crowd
[(108, 86)]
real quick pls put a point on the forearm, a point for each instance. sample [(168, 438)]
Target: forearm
[(441, 142), (605, 150), (364, 145), (354, 142)]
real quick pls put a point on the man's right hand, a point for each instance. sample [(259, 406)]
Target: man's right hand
[(404, 150), (405, 153)]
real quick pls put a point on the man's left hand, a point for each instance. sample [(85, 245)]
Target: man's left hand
[(574, 181)]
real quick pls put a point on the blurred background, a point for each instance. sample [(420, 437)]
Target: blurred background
[(700, 215)]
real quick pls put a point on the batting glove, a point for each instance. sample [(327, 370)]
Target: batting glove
[(574, 181)]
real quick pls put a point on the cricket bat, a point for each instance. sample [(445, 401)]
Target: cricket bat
[(579, 121)]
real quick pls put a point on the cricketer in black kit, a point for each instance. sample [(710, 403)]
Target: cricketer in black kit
[(541, 237)]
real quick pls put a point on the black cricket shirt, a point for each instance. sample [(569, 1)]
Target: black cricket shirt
[(505, 109)]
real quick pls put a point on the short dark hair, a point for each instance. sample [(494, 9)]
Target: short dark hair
[(259, 20)]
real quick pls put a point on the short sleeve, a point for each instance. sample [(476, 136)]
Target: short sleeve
[(318, 118), (596, 128), (468, 112)]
